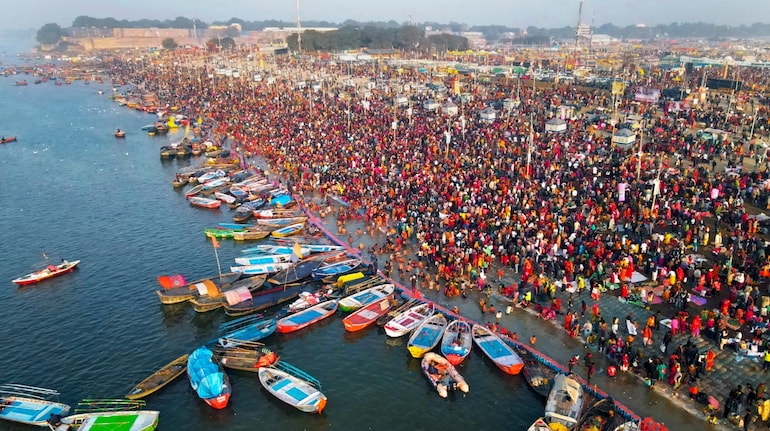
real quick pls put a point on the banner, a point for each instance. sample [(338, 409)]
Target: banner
[(647, 94), (618, 88), (621, 192)]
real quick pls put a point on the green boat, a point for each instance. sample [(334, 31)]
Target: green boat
[(220, 233), (140, 420)]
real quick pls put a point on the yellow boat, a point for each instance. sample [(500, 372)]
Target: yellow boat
[(159, 379)]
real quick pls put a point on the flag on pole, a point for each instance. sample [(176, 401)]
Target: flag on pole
[(214, 241)]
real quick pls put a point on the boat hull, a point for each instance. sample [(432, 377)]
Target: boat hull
[(159, 379), (303, 319), (366, 316), (45, 274)]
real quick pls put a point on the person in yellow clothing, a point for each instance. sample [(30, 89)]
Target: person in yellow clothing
[(766, 361)]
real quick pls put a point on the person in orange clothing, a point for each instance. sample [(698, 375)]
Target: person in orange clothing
[(710, 355)]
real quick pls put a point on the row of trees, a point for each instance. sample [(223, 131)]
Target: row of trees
[(410, 38), (491, 32)]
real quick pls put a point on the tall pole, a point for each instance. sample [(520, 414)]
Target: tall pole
[(299, 31), (639, 161)]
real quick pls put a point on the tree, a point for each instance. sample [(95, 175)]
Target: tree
[(169, 43), (232, 32), (50, 34), (222, 43)]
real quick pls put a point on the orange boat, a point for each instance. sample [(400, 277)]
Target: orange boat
[(5, 140)]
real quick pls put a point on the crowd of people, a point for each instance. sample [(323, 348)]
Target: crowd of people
[(460, 197)]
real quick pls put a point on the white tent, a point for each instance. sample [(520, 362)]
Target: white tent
[(400, 100), (488, 114), (430, 105), (624, 138), (556, 125), (449, 108)]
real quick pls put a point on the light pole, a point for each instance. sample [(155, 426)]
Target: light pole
[(639, 161)]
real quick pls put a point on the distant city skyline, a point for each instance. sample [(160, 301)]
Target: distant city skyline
[(511, 13)]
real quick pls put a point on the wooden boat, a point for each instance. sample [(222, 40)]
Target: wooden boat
[(120, 134), (141, 420), (409, 319), (564, 403), (50, 271), (263, 258), (214, 184), (304, 318), (224, 197), (365, 297), (539, 425), (456, 342), (7, 139), (275, 213), (250, 235), (288, 230), (263, 299), (275, 249), (262, 268), (29, 404), (427, 336), (442, 375), (234, 226), (296, 272), (600, 416), (247, 329), (496, 350), (393, 312), (341, 267), (159, 379), (176, 289), (214, 299), (307, 300), (537, 375), (166, 152), (366, 316), (208, 379), (245, 358), (20, 83), (219, 233), (205, 202), (627, 426), (193, 191), (293, 386)]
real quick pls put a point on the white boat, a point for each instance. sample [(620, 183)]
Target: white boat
[(225, 197), (276, 249), (265, 258), (564, 403), (307, 299), (360, 299), (29, 404), (262, 268), (211, 175), (295, 388), (138, 420), (409, 319), (219, 182), (539, 425)]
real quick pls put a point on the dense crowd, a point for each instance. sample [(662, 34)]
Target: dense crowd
[(566, 211)]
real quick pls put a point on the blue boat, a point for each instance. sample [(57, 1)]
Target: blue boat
[(337, 268), (456, 343), (427, 336), (29, 404), (246, 330), (261, 268), (293, 386), (208, 379), (281, 200), (307, 317), (234, 226), (264, 258)]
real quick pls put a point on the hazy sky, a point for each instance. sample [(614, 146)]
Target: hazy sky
[(20, 14)]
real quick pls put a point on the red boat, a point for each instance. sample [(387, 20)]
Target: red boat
[(50, 271), (19, 83), (5, 140), (366, 316), (205, 202), (307, 317)]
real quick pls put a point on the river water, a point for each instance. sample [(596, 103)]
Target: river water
[(71, 190)]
